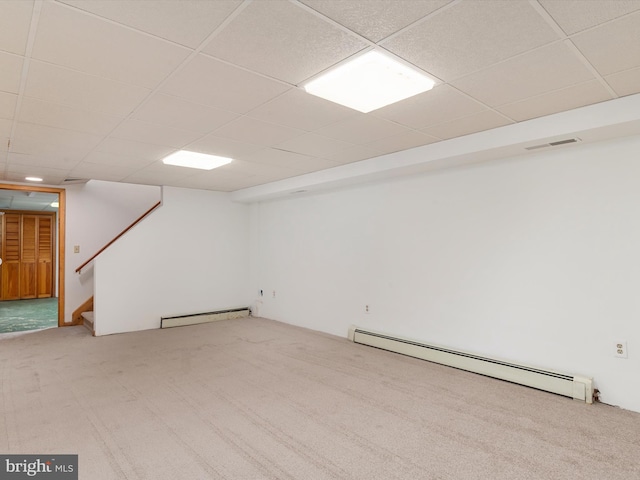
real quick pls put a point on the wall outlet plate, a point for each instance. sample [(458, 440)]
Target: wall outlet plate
[(620, 349)]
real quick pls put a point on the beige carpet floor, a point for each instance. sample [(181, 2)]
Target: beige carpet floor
[(257, 399)]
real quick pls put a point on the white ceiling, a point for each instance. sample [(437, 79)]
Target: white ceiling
[(104, 89), (24, 200)]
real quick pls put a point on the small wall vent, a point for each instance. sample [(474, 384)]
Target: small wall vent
[(75, 180), (553, 144)]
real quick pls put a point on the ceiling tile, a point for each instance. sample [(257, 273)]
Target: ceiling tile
[(577, 15), (282, 158), (543, 70), (299, 109), (187, 22), (15, 21), (59, 162), (61, 85), (108, 173), (133, 149), (223, 147), (105, 158), (179, 113), (102, 48), (441, 104), (625, 83), (40, 139), (472, 35), (69, 118), (354, 154), (5, 129), (375, 19), (252, 168), (40, 148), (249, 130), (315, 165), (282, 40), (11, 68), (52, 177), (41, 171), (477, 122), (613, 47), (558, 101), (155, 177), (160, 168), (154, 134), (383, 146), (7, 105), (314, 145), (361, 128), (211, 82)]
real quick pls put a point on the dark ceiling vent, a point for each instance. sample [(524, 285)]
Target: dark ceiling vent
[(75, 180), (553, 144)]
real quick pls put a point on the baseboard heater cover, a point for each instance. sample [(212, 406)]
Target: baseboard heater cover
[(576, 387), (196, 318)]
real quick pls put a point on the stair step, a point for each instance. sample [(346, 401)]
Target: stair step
[(87, 320)]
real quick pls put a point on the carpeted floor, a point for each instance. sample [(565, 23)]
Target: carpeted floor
[(258, 399), (22, 315)]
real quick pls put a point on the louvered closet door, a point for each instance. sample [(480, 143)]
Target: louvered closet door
[(11, 257), (28, 257), (45, 256)]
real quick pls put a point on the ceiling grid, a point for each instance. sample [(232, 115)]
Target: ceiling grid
[(97, 89)]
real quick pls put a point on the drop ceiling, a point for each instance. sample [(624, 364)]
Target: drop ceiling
[(102, 89)]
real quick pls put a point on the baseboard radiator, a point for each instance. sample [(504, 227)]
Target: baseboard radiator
[(196, 318), (579, 388)]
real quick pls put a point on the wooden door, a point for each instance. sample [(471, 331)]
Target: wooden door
[(45, 257), (28, 256), (28, 244), (11, 256)]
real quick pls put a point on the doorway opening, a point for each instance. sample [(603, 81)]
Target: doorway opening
[(32, 251)]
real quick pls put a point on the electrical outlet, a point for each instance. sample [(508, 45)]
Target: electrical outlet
[(76, 249), (620, 350), (366, 309), (274, 294)]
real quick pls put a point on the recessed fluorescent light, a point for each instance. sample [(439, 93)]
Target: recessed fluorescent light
[(54, 204), (369, 82), (184, 158), (33, 179)]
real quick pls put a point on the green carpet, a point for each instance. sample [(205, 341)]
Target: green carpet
[(22, 315)]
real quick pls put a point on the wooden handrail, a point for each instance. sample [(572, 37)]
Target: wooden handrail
[(79, 269)]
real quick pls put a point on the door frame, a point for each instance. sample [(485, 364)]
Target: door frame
[(61, 235)]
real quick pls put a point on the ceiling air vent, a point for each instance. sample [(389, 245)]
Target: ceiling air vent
[(553, 144), (75, 180)]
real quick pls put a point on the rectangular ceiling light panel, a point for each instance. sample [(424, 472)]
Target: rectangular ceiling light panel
[(202, 161), (369, 82)]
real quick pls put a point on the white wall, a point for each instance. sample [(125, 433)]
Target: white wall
[(189, 256), (96, 212), (535, 260)]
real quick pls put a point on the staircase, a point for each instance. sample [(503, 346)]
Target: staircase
[(87, 321), (83, 315)]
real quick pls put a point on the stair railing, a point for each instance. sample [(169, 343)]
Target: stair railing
[(79, 269)]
